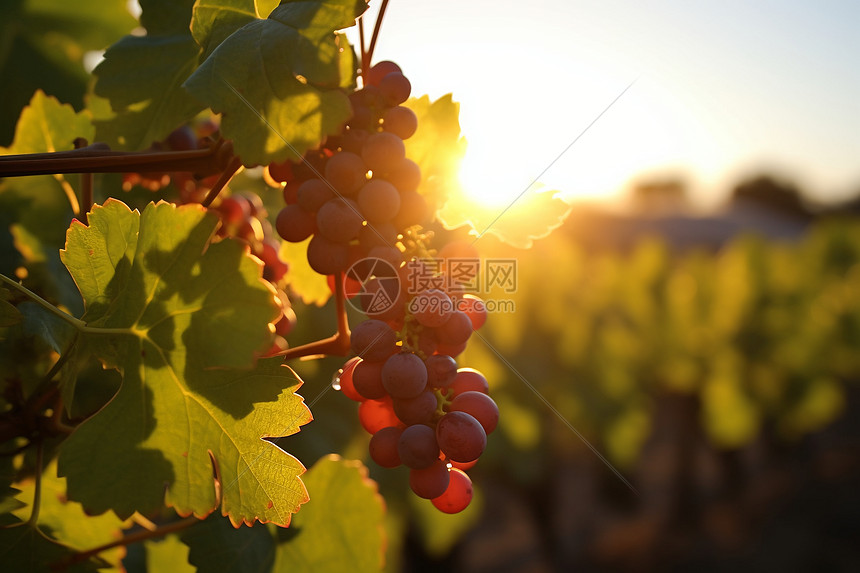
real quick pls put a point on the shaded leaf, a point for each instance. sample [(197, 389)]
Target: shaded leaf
[(168, 554), (276, 80), (45, 42), (341, 529), (36, 210), (218, 547), (214, 20), (9, 315), (181, 319), (26, 548), (66, 519), (142, 77)]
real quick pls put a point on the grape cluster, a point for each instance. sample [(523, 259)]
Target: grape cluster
[(359, 191), (357, 199), (422, 410)]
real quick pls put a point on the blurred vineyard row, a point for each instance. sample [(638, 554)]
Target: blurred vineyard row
[(762, 333), (700, 374)]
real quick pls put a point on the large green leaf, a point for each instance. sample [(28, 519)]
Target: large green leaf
[(142, 77), (181, 319), (276, 80), (341, 529)]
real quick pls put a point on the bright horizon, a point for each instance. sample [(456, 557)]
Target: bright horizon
[(720, 92)]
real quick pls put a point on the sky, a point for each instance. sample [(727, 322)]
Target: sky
[(720, 90)]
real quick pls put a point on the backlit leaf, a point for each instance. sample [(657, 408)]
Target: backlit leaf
[(341, 528), (276, 80), (142, 77), (181, 318)]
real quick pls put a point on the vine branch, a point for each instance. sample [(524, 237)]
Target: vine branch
[(337, 344), (99, 158), (136, 537), (376, 28)]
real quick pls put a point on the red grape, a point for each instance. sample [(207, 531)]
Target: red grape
[(429, 482), (373, 340), (383, 447), (458, 495), (404, 375), (460, 436), (478, 405), (417, 447)]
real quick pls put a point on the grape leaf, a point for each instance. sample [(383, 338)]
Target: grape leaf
[(276, 80), (436, 146), (66, 519), (438, 149), (308, 284), (181, 319), (168, 554), (44, 44), (26, 548), (341, 529), (142, 77), (218, 547), (35, 210), (9, 315), (534, 215), (214, 20)]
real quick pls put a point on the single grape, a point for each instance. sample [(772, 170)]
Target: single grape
[(475, 309), (346, 379), (286, 323), (377, 414), (383, 447), (401, 121), (367, 379), (294, 224), (458, 495), (460, 436), (182, 138), (452, 350), (233, 210), (456, 330), (378, 234), (346, 172), (380, 70), (395, 88), (313, 194), (281, 172), (469, 379), (417, 410), (339, 220), (441, 370), (431, 307), (404, 375), (327, 257), (406, 176), (478, 405), (379, 201), (274, 268), (373, 340), (417, 447), (429, 482), (383, 151), (391, 255)]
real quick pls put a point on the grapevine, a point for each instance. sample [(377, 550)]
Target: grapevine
[(204, 260)]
